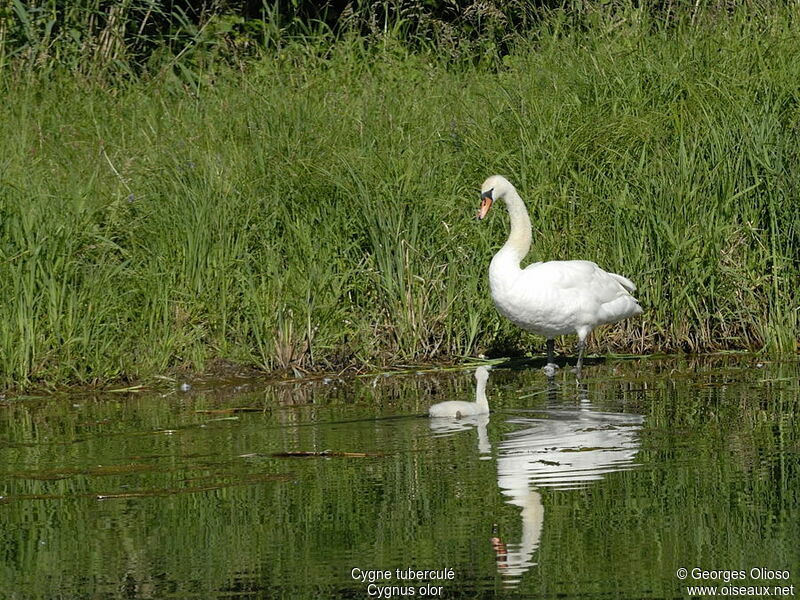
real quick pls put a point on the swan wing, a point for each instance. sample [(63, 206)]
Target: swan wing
[(453, 408), (582, 275), (624, 282), (557, 297)]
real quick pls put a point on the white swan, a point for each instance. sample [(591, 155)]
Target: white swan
[(552, 298), (460, 408)]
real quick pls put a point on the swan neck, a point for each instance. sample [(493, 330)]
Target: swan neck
[(480, 396), (519, 239)]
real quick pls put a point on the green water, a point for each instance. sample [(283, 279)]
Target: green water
[(298, 490)]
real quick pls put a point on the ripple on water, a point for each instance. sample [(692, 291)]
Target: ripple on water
[(559, 492)]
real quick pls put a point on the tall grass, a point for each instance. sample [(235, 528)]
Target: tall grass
[(312, 208)]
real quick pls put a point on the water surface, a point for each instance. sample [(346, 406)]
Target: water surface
[(343, 489)]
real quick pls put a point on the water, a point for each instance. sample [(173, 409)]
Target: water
[(337, 489)]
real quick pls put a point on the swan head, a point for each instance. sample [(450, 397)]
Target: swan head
[(482, 374), (494, 188)]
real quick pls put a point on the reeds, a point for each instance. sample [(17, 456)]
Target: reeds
[(312, 207)]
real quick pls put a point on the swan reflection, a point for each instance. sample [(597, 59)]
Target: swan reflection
[(559, 448), (564, 449), (445, 427)]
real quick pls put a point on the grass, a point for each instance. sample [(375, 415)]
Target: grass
[(311, 208)]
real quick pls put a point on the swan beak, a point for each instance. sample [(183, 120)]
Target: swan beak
[(486, 204)]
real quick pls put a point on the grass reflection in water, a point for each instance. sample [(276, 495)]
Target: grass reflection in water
[(565, 492)]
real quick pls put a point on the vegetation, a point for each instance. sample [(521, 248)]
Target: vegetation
[(286, 195)]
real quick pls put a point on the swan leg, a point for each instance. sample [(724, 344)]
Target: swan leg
[(581, 348), (551, 366)]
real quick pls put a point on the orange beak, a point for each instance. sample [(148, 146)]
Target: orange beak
[(486, 204)]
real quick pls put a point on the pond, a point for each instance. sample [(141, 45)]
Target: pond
[(652, 476)]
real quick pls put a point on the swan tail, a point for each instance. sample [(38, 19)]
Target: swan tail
[(624, 282), (621, 308)]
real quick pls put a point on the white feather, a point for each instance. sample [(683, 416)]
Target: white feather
[(551, 298), (459, 408)]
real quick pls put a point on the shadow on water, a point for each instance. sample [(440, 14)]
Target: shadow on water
[(341, 489)]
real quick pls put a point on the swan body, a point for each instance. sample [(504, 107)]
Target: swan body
[(551, 298), (459, 408)]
